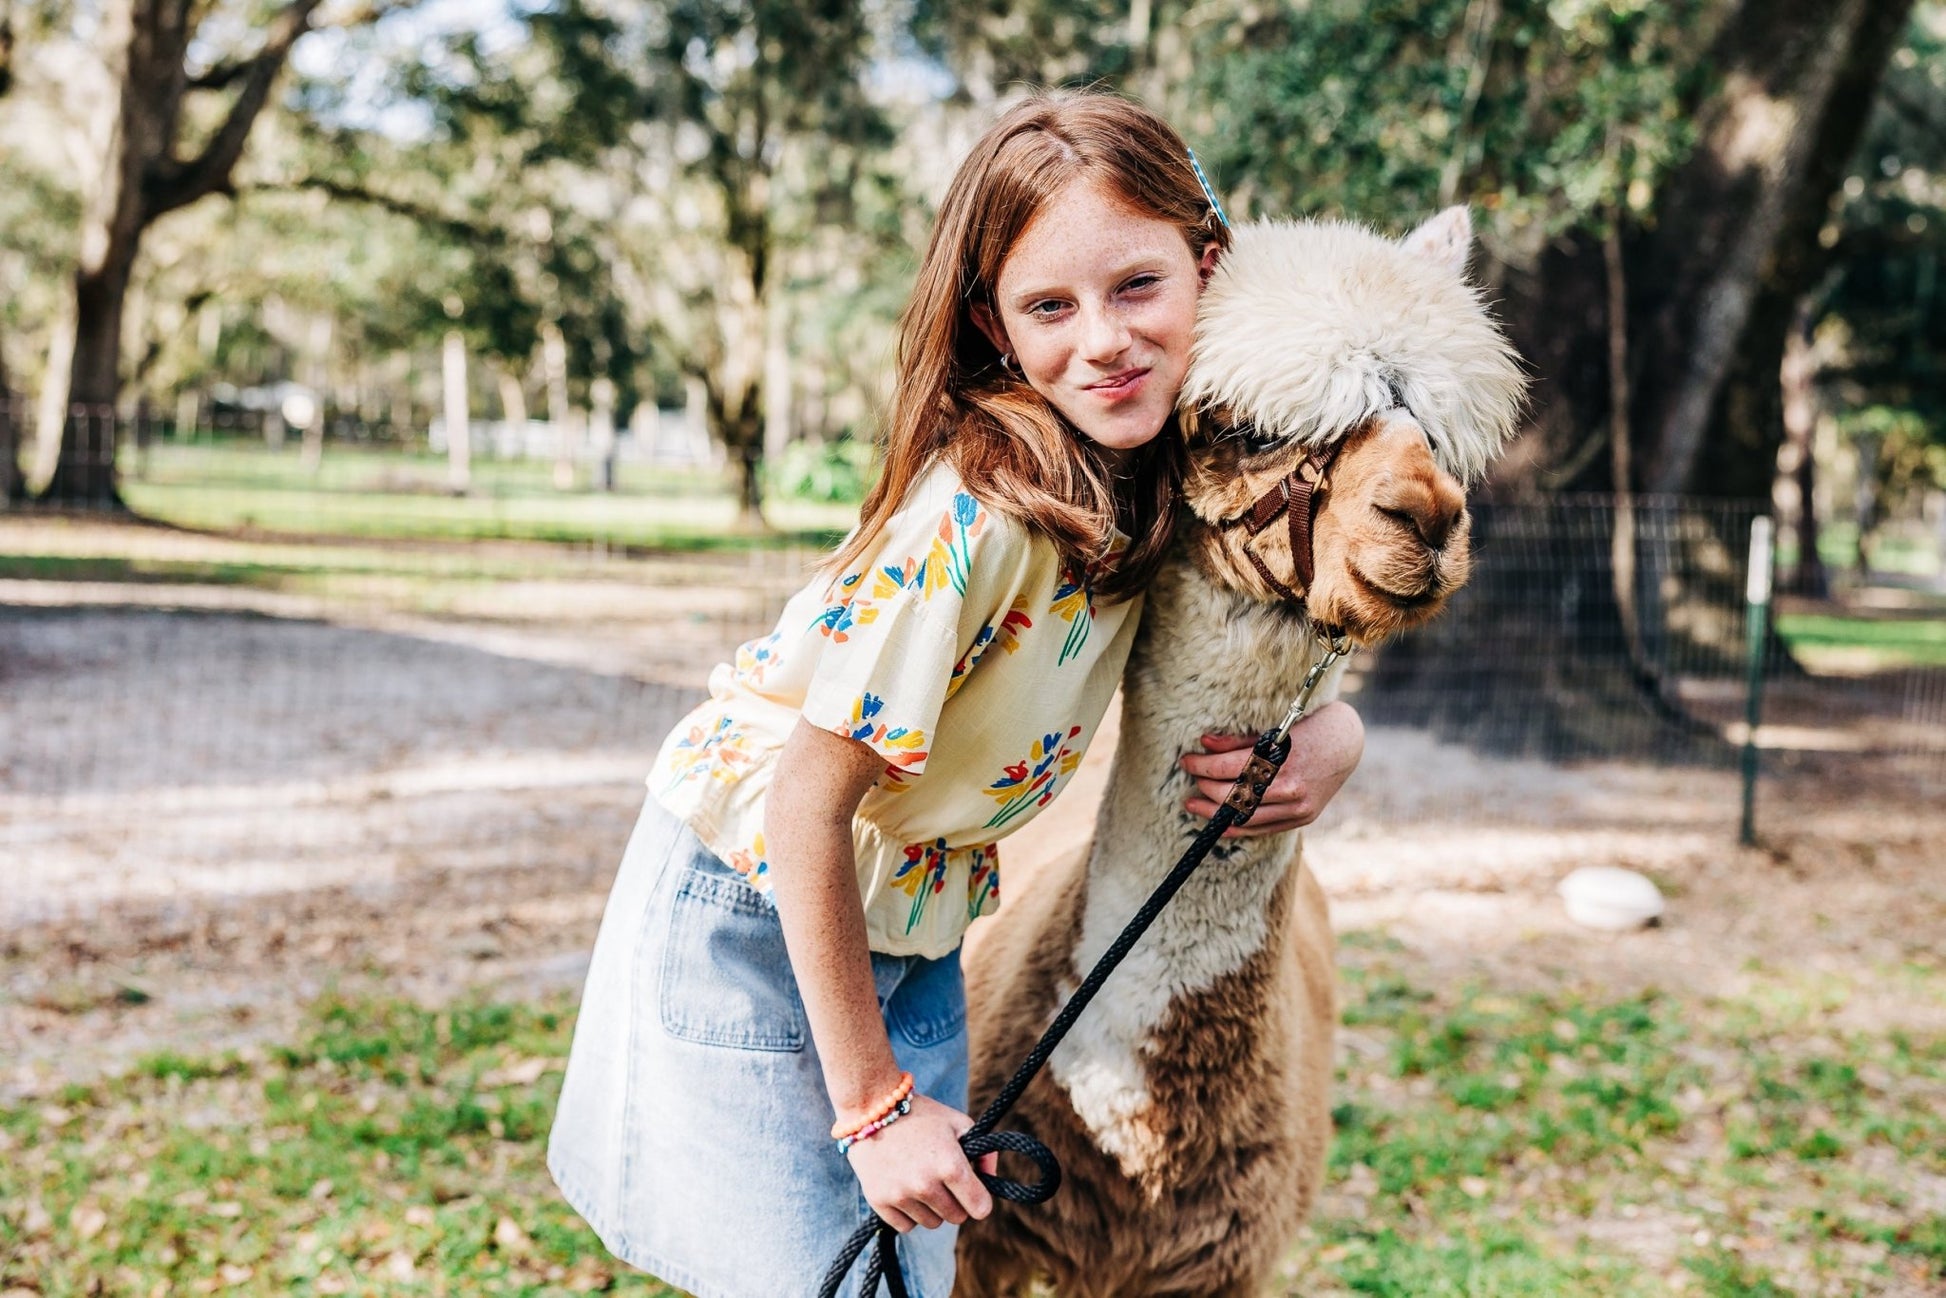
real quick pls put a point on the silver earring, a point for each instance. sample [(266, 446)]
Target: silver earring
[(1007, 361)]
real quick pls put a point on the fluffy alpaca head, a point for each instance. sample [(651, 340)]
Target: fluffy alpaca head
[(1317, 335), (1309, 329)]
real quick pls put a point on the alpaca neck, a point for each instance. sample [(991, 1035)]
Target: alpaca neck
[(1205, 660)]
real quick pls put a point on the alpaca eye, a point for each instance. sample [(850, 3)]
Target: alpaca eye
[(1255, 440)]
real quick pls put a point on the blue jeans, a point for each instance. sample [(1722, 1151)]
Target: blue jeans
[(693, 1132)]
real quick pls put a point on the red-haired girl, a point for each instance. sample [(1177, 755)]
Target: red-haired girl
[(772, 1041)]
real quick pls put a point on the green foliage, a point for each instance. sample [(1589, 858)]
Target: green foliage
[(1550, 119), (1881, 328), (1885, 323), (832, 472)]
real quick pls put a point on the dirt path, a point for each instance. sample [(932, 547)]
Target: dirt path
[(210, 817)]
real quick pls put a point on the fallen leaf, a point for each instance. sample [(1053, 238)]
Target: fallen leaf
[(510, 1238), (516, 1072), (87, 1220), (589, 1277)]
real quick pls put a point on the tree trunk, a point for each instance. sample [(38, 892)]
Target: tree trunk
[(1865, 504), (739, 429), (1736, 231), (513, 410), (144, 174), (1800, 408), (601, 431), (554, 361), (13, 486), (84, 470), (1709, 287), (459, 424), (1714, 278)]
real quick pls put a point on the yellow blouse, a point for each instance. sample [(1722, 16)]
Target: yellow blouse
[(968, 655)]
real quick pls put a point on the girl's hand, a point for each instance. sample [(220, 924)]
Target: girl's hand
[(1325, 748), (915, 1174)]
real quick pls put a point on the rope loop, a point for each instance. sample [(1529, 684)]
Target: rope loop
[(1015, 1142)]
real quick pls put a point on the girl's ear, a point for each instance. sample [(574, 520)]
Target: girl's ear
[(989, 324), (1207, 265)]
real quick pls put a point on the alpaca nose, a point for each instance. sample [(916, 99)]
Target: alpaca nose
[(1429, 509)]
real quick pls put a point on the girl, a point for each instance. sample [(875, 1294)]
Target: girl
[(781, 945)]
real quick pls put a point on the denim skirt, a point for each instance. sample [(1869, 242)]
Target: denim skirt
[(694, 1130)]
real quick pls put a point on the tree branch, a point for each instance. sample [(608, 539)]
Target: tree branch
[(365, 14), (221, 76), (173, 184), (1910, 107), (455, 227)]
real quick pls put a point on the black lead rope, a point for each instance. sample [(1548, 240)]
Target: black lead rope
[(1268, 755)]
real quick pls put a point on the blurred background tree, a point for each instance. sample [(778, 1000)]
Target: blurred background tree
[(717, 206)]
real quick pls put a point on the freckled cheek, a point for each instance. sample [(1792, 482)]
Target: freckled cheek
[(1171, 327)]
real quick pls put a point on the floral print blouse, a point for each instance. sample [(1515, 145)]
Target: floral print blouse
[(968, 655)]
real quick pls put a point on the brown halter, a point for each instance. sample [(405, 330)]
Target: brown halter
[(1296, 497)]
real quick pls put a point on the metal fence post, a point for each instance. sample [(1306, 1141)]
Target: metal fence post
[(1756, 599)]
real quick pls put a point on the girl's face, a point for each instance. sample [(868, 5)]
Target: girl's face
[(1097, 304)]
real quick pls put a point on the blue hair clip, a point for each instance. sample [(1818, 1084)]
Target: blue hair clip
[(1208, 192)]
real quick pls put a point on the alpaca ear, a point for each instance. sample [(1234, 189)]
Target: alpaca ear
[(1446, 239)]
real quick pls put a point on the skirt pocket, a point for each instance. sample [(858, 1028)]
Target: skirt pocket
[(726, 976), (929, 1006)]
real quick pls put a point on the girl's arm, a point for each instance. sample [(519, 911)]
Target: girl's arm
[(913, 1172), (1325, 748)]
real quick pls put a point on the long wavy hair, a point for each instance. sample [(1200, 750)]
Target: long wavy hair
[(954, 399)]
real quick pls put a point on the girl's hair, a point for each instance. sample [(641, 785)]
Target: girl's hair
[(953, 398)]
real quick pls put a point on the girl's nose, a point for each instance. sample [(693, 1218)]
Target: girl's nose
[(1103, 335)]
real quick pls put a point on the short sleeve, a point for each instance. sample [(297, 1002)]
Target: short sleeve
[(892, 628)]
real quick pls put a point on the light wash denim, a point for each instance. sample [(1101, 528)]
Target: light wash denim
[(694, 1131)]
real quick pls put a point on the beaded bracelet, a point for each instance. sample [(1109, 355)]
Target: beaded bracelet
[(875, 1126), (841, 1129)]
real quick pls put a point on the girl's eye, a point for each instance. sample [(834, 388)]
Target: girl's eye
[(1046, 308), (1141, 282)]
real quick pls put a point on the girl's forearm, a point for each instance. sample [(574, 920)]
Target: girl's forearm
[(820, 781), (824, 928)]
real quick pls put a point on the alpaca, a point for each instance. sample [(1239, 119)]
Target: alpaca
[(1190, 1106)]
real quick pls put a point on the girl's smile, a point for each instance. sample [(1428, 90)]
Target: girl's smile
[(1118, 386)]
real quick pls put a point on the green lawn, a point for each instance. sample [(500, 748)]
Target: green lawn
[(399, 1151), (1892, 642), (402, 495)]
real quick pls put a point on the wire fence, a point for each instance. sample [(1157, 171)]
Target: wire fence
[(220, 711)]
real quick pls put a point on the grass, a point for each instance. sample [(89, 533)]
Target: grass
[(1489, 1146), (396, 1151), (391, 494), (1889, 642)]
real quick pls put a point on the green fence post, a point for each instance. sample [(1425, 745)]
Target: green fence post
[(1756, 598)]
